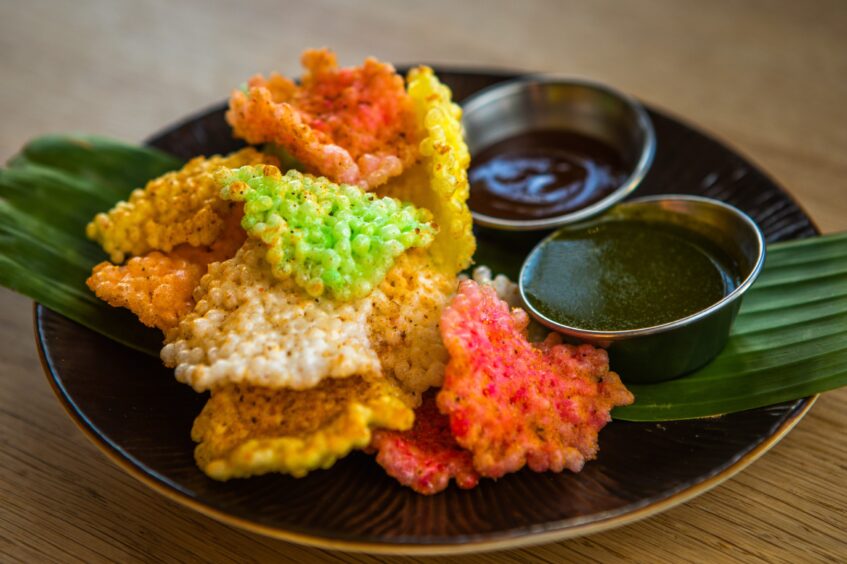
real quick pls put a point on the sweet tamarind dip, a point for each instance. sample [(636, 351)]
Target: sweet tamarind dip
[(543, 173)]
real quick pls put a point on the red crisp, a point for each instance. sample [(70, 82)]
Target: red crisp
[(426, 456)]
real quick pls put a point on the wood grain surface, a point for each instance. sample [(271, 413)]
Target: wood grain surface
[(769, 78)]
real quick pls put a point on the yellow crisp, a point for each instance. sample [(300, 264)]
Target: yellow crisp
[(439, 182), (178, 207), (404, 322), (247, 430), (226, 244)]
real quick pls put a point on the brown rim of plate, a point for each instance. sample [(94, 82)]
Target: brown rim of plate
[(525, 540)]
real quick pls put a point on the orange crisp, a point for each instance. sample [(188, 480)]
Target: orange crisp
[(158, 287), (513, 403), (352, 125)]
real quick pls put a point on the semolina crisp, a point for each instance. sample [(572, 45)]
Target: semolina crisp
[(404, 320)]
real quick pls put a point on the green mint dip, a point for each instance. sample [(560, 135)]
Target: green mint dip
[(626, 274)]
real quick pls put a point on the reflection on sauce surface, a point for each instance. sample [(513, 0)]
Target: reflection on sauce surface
[(543, 173), (626, 274)]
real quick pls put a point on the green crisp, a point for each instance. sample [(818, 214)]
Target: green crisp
[(330, 238)]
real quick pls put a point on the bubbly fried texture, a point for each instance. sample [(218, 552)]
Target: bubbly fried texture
[(509, 292), (439, 182), (176, 208), (513, 403), (404, 321), (326, 237), (226, 244), (249, 327), (352, 125), (426, 456), (248, 430), (156, 287), (506, 290), (159, 287)]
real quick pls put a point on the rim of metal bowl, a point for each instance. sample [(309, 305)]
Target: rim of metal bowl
[(654, 329), (638, 173)]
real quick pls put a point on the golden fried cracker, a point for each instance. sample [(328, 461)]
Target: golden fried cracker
[(247, 430)]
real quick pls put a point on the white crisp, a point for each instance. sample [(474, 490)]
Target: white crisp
[(248, 326)]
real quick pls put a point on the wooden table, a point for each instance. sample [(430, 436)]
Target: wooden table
[(770, 78)]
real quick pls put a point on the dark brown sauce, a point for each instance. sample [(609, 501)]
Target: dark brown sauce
[(543, 173)]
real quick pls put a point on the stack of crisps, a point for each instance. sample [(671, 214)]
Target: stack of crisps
[(306, 305), (318, 304)]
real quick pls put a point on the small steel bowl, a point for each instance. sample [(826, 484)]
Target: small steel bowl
[(546, 102), (663, 352)]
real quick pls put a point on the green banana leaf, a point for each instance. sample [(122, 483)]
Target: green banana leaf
[(48, 194), (789, 340)]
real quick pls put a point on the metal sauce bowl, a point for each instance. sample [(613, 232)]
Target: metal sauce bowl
[(663, 352), (546, 102)]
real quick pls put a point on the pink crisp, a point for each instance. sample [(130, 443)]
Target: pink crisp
[(512, 403)]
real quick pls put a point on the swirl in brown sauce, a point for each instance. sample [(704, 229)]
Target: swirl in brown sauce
[(543, 173)]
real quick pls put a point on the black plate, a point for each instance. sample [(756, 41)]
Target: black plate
[(133, 408)]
